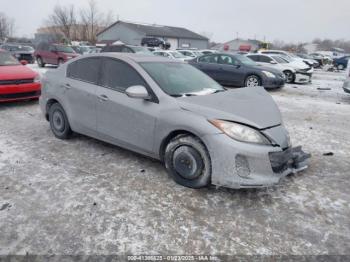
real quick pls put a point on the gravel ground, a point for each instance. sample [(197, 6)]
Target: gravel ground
[(83, 196)]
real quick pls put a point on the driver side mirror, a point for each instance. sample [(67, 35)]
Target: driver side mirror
[(273, 62), (138, 92)]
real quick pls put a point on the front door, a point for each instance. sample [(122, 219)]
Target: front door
[(231, 71), (120, 119)]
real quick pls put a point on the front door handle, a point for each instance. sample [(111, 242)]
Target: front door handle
[(67, 86), (103, 98)]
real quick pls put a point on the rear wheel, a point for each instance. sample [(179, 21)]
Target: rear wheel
[(59, 122), (290, 77), (187, 161), (40, 61), (252, 80)]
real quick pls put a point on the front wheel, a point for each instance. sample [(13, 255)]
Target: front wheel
[(252, 80), (59, 122), (188, 162), (290, 77), (40, 62), (341, 67)]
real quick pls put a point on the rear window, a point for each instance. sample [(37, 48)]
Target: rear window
[(86, 70)]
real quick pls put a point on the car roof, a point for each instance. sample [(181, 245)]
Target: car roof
[(138, 58)]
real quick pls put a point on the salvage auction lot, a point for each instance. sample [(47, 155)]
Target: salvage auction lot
[(82, 196)]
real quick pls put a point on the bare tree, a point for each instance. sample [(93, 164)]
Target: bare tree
[(7, 26), (63, 20), (91, 21)]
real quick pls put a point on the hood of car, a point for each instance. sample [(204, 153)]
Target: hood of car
[(252, 106), (16, 72)]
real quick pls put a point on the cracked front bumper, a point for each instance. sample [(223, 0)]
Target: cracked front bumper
[(243, 165)]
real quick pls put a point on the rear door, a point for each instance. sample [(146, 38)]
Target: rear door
[(209, 65), (120, 119), (80, 93)]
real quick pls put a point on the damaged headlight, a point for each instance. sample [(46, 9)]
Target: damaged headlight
[(240, 132)]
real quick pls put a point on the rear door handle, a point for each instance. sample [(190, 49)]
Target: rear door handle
[(103, 98)]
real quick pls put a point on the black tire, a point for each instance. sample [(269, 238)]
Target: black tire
[(290, 76), (341, 67), (40, 62), (188, 162), (249, 81), (59, 122), (60, 62)]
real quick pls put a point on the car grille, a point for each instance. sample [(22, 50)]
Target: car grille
[(20, 95), (27, 57), (16, 82)]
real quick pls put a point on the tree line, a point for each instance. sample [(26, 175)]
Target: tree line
[(77, 24)]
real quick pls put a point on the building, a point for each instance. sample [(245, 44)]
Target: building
[(239, 45), (132, 34)]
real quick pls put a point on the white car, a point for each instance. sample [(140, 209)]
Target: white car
[(208, 51), (280, 64), (190, 53), (346, 85), (303, 72), (289, 56), (172, 55)]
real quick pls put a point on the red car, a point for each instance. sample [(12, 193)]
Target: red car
[(17, 81), (53, 54)]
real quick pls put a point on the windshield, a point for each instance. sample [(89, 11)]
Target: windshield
[(245, 60), (177, 55), (64, 49), (177, 79), (141, 50), (7, 59), (26, 48)]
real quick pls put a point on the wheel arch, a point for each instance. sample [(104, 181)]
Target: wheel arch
[(170, 136)]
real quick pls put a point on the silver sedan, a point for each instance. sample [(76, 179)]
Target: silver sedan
[(173, 112)]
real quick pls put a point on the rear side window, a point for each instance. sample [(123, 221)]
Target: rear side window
[(119, 75), (86, 70)]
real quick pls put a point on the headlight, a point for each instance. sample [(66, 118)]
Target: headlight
[(269, 74), (241, 132), (37, 79)]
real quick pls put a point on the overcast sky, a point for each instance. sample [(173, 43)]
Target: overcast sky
[(288, 20)]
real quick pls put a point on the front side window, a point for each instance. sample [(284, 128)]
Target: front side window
[(178, 79), (213, 59), (228, 60), (119, 75), (64, 49), (255, 58), (86, 70), (265, 59)]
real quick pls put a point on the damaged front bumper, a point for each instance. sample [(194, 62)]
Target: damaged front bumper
[(241, 165)]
